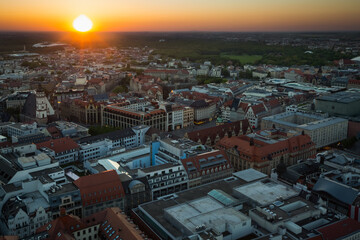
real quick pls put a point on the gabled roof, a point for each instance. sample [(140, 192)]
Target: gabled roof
[(239, 127), (59, 145), (206, 161), (199, 104), (113, 218), (65, 225), (293, 70), (228, 103), (262, 149), (54, 132), (340, 229), (258, 108), (94, 81), (273, 103), (100, 187)]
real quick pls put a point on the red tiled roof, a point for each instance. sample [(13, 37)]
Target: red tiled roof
[(243, 106), (100, 187), (15, 84), (117, 221), (348, 61), (145, 77), (339, 229), (297, 71), (5, 144), (259, 108), (354, 82), (85, 103), (228, 103), (262, 149), (59, 145), (239, 127), (299, 97), (54, 131), (196, 162), (198, 96), (273, 103), (65, 225), (95, 81)]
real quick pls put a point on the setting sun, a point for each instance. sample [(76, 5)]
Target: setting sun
[(82, 23)]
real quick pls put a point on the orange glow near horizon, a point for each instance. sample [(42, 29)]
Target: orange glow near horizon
[(182, 15)]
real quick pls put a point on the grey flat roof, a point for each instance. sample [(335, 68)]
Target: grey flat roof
[(65, 188), (249, 175), (322, 123), (156, 208), (341, 97), (317, 123)]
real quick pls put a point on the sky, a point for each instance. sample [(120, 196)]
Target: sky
[(182, 15)]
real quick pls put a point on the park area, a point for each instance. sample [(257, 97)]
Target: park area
[(243, 59)]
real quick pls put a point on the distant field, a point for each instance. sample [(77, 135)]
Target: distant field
[(193, 47), (244, 59)]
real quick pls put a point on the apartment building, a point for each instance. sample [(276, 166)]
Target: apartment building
[(165, 179), (121, 117)]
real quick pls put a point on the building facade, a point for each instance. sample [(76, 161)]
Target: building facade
[(165, 179), (64, 150), (207, 167), (100, 191), (323, 131), (264, 150), (123, 118), (188, 117)]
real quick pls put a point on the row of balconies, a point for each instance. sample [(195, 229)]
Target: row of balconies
[(168, 183)]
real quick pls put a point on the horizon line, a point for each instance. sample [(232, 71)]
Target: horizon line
[(183, 31)]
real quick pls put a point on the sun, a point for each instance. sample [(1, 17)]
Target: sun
[(82, 23)]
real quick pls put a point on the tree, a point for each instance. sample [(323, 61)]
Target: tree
[(225, 72), (120, 89)]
